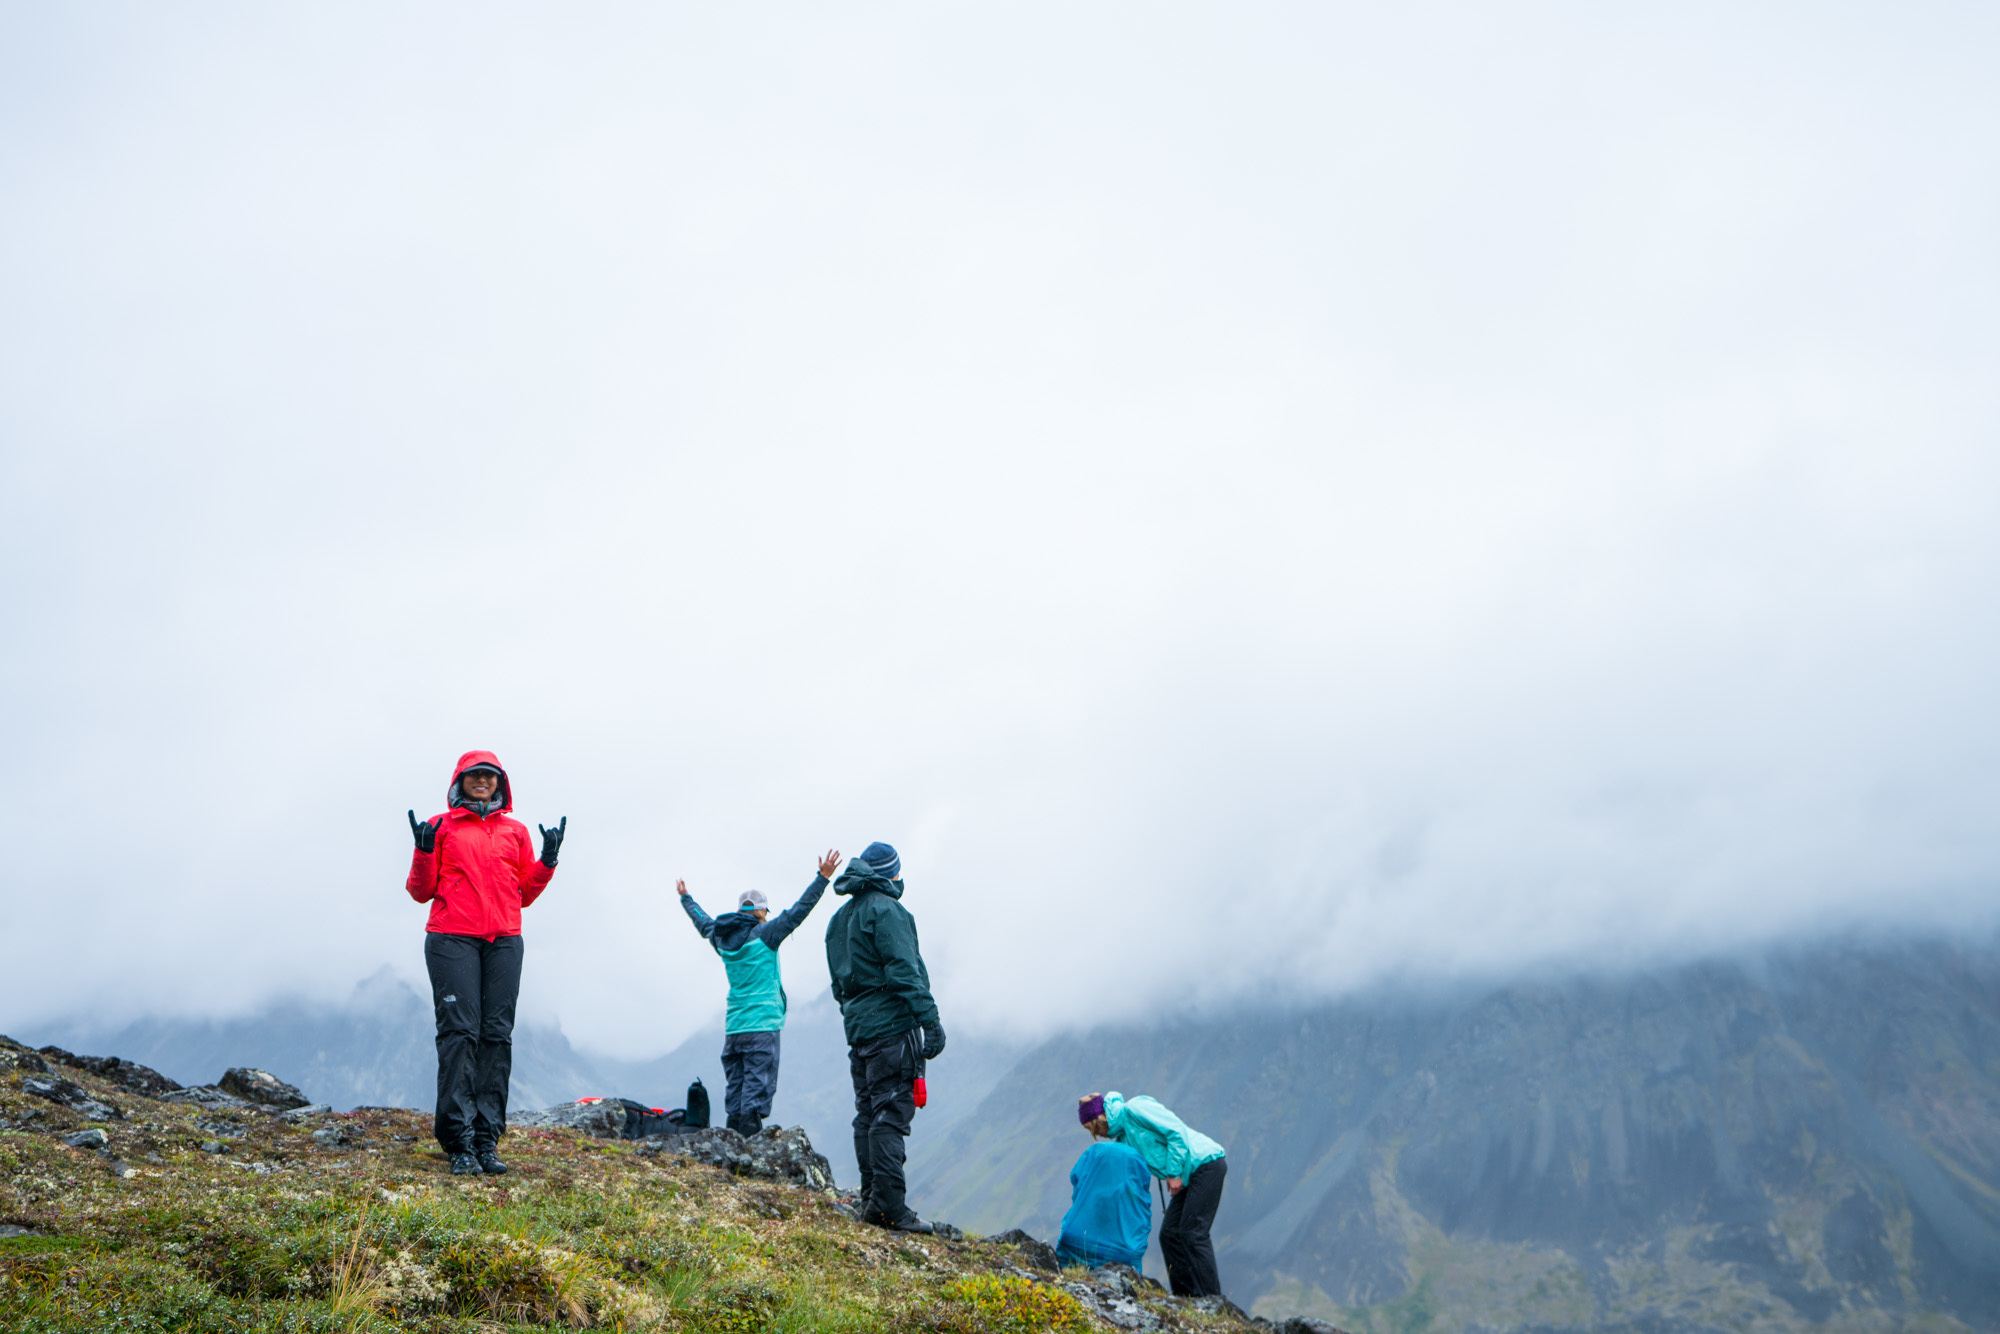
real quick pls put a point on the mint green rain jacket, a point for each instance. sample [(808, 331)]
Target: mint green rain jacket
[(749, 951), (1169, 1145)]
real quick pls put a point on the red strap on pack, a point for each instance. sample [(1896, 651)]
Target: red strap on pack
[(919, 1092)]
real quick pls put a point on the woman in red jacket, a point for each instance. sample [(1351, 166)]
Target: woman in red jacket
[(477, 870)]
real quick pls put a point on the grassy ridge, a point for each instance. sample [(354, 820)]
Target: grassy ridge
[(288, 1232)]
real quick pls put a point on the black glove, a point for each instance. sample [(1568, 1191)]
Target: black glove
[(933, 1040), (552, 841), (426, 834)]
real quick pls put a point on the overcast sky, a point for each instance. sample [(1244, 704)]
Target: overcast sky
[(1251, 499)]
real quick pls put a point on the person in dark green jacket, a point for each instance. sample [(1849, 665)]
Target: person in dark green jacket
[(748, 941), (892, 1025)]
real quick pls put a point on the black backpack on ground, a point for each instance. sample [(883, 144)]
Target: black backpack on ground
[(641, 1120), (696, 1116)]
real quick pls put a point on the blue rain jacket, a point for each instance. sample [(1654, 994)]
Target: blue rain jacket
[(1110, 1208)]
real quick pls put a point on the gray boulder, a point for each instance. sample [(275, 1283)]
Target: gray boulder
[(87, 1139), (60, 1091), (780, 1153), (261, 1087), (128, 1075), (1033, 1251), (606, 1119)]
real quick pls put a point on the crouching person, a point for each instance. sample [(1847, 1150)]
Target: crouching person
[(748, 941), (1192, 1166), (892, 1024), (1110, 1206)]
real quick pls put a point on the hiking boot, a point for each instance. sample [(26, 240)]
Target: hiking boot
[(907, 1221), (464, 1165), (490, 1164)]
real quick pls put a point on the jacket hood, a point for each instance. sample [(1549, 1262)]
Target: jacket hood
[(860, 878), (466, 761), (734, 929), (1114, 1108)]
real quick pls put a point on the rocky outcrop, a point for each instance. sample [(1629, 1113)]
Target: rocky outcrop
[(603, 1118), (128, 1075), (65, 1094), (779, 1153), (261, 1087)]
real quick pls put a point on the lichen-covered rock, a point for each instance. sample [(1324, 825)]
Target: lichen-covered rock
[(604, 1119), (261, 1087), (128, 1075), (1033, 1251), (333, 1137), (780, 1153), (86, 1139), (208, 1095), (60, 1091)]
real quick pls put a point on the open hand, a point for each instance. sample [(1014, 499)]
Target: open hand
[(829, 864), (681, 888), (552, 841), (425, 833)]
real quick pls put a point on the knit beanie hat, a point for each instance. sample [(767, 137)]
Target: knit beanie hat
[(883, 861), (1089, 1109)]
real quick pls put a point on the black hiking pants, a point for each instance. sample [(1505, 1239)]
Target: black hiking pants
[(474, 984), (1184, 1242), (884, 1072)]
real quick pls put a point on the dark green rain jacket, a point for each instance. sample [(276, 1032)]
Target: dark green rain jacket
[(871, 954)]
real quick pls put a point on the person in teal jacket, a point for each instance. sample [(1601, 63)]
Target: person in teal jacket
[(1192, 1167), (748, 941)]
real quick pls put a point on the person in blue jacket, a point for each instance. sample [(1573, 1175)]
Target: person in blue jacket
[(748, 941), (1192, 1167), (1110, 1206)]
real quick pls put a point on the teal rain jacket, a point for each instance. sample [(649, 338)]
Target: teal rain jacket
[(1169, 1145), (1110, 1209), (749, 951)]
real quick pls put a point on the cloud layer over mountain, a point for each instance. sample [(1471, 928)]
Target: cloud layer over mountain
[(1248, 502)]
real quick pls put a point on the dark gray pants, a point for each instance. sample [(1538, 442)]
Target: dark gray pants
[(1184, 1242), (750, 1079), (884, 1070), (474, 984)]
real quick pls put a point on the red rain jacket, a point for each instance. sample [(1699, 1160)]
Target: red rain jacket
[(483, 870)]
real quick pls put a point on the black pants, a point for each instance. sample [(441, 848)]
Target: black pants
[(474, 984), (1184, 1239), (750, 1079), (884, 1070)]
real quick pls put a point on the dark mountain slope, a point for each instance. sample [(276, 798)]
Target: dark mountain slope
[(1811, 1137)]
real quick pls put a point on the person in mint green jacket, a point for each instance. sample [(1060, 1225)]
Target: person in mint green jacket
[(1192, 1166), (748, 941)]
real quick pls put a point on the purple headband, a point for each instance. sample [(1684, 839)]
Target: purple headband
[(1090, 1109)]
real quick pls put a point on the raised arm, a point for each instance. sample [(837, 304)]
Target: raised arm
[(702, 921), (422, 883), (534, 873), (773, 932)]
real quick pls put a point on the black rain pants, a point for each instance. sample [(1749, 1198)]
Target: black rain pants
[(474, 984), (884, 1071), (750, 1079), (1184, 1242)]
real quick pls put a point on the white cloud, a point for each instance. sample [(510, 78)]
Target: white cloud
[(1260, 501)]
